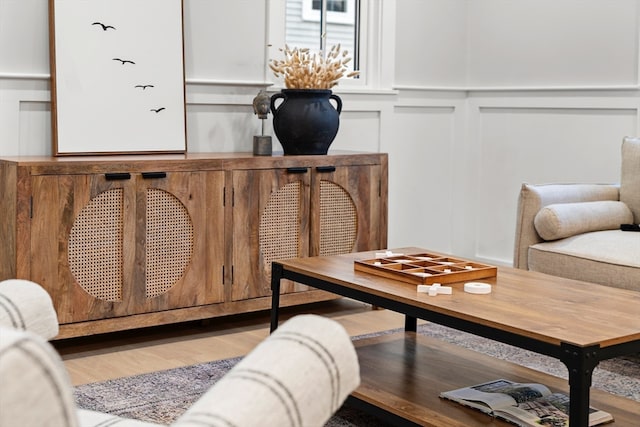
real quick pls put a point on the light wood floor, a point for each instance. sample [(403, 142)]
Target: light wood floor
[(109, 356)]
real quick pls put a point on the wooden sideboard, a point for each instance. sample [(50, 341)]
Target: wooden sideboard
[(123, 242)]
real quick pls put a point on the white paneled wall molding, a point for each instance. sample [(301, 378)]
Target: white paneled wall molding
[(541, 88)]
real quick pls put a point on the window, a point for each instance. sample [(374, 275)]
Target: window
[(338, 11), (332, 5), (305, 29)]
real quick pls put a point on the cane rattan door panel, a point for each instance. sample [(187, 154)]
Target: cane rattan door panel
[(181, 240), (279, 228), (96, 241), (169, 234), (338, 220), (345, 210), (80, 229), (270, 221)]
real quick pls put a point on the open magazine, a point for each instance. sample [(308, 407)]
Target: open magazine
[(521, 404)]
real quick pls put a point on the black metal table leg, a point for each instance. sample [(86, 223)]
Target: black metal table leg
[(580, 361), (410, 324), (276, 275)]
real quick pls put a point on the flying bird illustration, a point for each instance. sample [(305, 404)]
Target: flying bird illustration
[(144, 87), (104, 27), (157, 110), (124, 61)]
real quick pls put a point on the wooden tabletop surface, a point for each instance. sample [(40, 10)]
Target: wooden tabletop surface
[(547, 308)]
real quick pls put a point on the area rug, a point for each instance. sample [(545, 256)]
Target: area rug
[(164, 395)]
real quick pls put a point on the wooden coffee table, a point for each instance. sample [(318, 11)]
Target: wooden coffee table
[(576, 322)]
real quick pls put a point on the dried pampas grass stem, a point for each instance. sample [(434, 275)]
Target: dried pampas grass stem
[(303, 70)]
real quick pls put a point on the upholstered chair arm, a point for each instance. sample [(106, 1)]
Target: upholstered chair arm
[(35, 389), (25, 305), (532, 198), (298, 376)]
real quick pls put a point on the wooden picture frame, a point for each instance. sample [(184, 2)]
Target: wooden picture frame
[(117, 76)]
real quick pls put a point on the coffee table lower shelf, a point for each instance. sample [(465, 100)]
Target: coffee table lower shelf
[(404, 373)]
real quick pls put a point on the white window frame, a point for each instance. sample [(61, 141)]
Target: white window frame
[(313, 15), (376, 53)]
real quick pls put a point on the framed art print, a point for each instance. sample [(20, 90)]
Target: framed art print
[(117, 74)]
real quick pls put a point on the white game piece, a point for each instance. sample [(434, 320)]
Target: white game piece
[(435, 289), (477, 288)]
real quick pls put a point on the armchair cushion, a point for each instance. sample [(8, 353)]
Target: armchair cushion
[(607, 257), (26, 306), (557, 221)]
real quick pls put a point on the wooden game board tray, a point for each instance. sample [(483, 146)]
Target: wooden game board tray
[(425, 268)]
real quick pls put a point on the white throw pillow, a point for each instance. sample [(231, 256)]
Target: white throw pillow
[(562, 220)]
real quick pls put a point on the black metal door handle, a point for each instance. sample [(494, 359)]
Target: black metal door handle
[(153, 175), (297, 170), (117, 176), (326, 168)]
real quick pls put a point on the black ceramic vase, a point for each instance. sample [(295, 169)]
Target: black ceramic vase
[(306, 122)]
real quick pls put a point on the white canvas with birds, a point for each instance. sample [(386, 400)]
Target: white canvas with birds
[(119, 76)]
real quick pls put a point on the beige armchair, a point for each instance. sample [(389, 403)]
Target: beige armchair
[(298, 376), (573, 230)]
